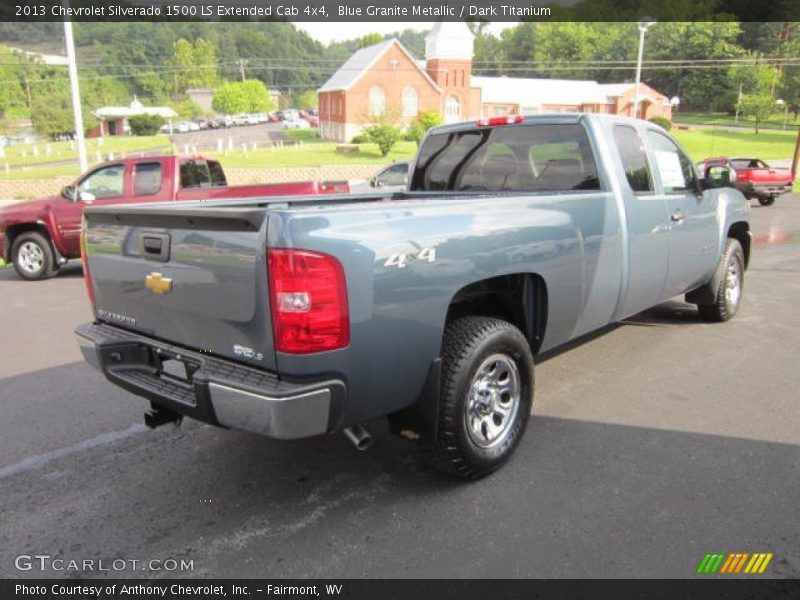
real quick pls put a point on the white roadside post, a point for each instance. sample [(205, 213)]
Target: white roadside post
[(75, 93)]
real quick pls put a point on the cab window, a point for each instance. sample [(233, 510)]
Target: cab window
[(147, 179), (107, 182), (634, 159), (519, 158), (674, 168)]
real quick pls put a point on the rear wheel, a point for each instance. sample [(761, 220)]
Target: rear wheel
[(487, 393), (766, 200), (730, 275), (33, 256)]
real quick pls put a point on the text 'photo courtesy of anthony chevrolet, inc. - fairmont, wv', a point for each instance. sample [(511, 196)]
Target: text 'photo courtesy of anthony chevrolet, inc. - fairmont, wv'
[(315, 298)]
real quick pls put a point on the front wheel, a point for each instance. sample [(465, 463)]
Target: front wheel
[(487, 393), (33, 256), (766, 200), (730, 275)]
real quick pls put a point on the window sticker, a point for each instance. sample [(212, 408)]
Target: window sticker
[(669, 167)]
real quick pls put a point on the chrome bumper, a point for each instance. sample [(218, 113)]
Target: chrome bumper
[(216, 393)]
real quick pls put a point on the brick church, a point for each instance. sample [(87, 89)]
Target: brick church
[(385, 79)]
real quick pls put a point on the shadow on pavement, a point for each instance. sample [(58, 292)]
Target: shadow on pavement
[(579, 499)]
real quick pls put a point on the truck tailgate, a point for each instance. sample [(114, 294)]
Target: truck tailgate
[(189, 277)]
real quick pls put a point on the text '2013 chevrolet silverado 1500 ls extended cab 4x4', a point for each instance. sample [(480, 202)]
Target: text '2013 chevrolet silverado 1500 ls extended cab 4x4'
[(293, 317)]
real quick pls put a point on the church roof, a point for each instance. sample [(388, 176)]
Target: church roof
[(361, 61), (538, 92)]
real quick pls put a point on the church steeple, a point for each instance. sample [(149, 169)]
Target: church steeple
[(451, 40), (448, 54)]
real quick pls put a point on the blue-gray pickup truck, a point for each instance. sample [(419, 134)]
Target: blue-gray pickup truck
[(299, 316)]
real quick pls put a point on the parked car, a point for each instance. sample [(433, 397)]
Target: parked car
[(240, 120), (273, 117), (185, 127), (312, 121), (393, 178), (755, 178), (261, 117), (202, 123), (221, 122), (294, 317), (289, 114), (39, 236), (295, 124)]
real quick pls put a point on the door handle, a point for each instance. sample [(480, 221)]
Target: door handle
[(677, 216)]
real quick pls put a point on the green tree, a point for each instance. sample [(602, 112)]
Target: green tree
[(307, 99), (385, 135), (194, 64), (758, 106), (228, 99), (424, 121), (145, 124), (255, 95), (52, 112), (369, 39)]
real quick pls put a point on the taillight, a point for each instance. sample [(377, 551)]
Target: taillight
[(308, 294), (507, 120), (334, 187), (87, 276)]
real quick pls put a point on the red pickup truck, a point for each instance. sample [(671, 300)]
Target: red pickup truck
[(755, 178), (41, 235)]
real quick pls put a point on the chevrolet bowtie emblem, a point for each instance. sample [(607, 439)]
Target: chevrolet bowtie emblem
[(158, 284)]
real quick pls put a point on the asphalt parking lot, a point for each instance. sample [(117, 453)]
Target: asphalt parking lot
[(653, 443), (262, 135)]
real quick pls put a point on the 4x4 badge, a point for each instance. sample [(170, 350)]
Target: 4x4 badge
[(158, 284)]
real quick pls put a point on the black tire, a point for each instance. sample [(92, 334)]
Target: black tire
[(32, 244), (766, 200), (725, 304), (470, 344)]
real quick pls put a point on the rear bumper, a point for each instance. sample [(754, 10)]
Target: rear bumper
[(215, 391), (749, 188)]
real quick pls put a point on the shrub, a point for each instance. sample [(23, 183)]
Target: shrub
[(424, 121), (662, 122), (361, 138), (145, 124), (385, 135)]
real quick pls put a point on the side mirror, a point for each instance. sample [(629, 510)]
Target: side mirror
[(375, 182), (68, 193), (86, 197)]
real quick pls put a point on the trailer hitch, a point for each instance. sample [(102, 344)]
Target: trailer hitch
[(158, 415)]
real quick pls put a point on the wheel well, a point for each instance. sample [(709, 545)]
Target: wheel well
[(741, 232), (520, 299), (15, 230)]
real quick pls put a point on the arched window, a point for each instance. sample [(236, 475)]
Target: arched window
[(452, 109), (377, 101), (410, 102)]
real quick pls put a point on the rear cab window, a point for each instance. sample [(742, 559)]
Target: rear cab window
[(519, 158), (201, 174)]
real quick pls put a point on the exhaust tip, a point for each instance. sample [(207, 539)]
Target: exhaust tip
[(359, 437)]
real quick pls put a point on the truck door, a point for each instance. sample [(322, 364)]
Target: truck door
[(104, 185), (692, 216), (648, 231)]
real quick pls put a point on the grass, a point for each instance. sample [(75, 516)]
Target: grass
[(745, 121), (29, 154), (702, 143), (315, 154)]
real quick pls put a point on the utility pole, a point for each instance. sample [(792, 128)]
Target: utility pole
[(644, 25), (75, 93), (738, 104), (241, 68)]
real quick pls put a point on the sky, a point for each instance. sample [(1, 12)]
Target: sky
[(330, 32)]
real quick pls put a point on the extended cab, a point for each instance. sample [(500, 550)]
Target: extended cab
[(41, 235), (294, 317)]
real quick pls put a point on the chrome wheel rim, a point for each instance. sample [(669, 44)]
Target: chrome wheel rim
[(31, 257), (493, 401), (733, 283)]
